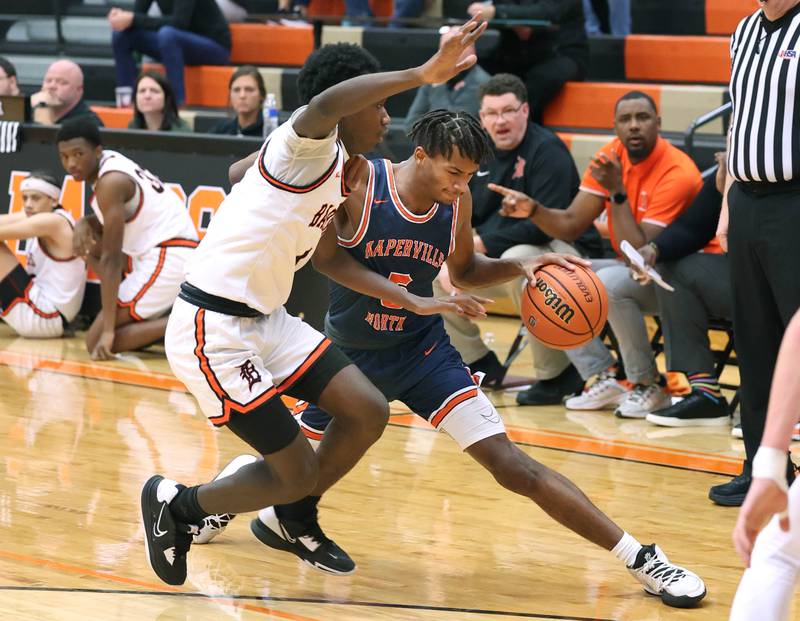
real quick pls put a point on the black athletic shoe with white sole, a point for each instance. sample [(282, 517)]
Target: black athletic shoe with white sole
[(303, 539), (676, 586), (167, 541)]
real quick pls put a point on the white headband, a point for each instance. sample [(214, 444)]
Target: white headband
[(40, 185)]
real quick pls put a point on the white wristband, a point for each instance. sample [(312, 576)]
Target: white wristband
[(770, 463)]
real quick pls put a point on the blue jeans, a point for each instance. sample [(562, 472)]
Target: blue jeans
[(173, 47), (357, 8), (619, 16)]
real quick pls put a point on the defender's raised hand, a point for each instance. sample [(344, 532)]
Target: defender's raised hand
[(447, 62)]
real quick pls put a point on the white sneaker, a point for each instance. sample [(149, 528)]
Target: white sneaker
[(642, 400), (675, 585), (736, 432), (605, 393), (214, 525)]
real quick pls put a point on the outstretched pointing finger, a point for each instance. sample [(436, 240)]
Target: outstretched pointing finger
[(500, 189)]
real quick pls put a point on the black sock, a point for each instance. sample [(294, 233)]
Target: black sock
[(185, 508), (303, 510)]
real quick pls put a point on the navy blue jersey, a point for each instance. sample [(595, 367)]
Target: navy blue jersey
[(406, 248)]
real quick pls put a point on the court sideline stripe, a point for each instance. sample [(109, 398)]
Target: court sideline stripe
[(557, 440), (311, 600), (155, 589)]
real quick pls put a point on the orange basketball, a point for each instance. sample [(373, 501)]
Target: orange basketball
[(565, 309)]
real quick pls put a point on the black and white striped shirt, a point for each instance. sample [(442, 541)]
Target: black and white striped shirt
[(765, 128)]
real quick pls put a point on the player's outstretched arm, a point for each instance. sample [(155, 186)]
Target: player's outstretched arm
[(768, 491), (337, 264), (112, 192), (38, 225), (326, 109), (469, 269)]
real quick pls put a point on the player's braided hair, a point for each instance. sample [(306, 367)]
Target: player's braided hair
[(438, 131)]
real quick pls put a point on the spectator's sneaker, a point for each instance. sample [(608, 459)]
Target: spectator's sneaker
[(166, 540), (642, 400), (732, 493), (303, 539), (552, 391), (605, 393), (695, 410), (675, 585), (736, 432), (214, 525), (493, 370)]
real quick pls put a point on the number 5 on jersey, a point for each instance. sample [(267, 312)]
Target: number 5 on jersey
[(400, 279)]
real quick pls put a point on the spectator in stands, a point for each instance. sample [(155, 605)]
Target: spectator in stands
[(459, 93), (189, 32), (154, 106), (691, 260), (643, 183), (247, 93), (61, 97), (608, 17), (545, 58), (533, 160), (8, 78)]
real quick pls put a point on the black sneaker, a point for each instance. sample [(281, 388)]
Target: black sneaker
[(694, 410), (493, 370), (303, 539), (552, 391), (732, 493), (675, 585), (166, 540)]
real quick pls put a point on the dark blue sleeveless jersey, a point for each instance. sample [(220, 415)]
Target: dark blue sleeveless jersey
[(406, 248)]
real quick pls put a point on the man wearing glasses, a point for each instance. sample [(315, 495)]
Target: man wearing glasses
[(532, 160)]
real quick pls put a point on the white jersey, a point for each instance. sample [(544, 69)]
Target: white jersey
[(269, 225), (61, 280), (154, 215)]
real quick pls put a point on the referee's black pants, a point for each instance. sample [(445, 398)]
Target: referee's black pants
[(764, 252)]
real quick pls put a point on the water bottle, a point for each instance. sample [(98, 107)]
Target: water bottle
[(270, 114)]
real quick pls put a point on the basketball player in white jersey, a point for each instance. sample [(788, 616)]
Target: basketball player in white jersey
[(133, 215), (230, 339), (773, 563), (39, 299)]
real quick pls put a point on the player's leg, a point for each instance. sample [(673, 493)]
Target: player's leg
[(7, 261), (768, 585), (213, 355), (145, 296), (451, 402)]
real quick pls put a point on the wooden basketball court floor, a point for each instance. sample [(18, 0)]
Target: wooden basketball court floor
[(434, 537)]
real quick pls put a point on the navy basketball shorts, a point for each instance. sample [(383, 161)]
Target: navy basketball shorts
[(427, 375)]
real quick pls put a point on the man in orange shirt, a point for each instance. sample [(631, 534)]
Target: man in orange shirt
[(642, 183)]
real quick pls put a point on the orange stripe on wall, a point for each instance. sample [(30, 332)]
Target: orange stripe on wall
[(591, 104), (677, 59), (722, 16)]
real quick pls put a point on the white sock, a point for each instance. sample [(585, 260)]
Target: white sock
[(626, 549)]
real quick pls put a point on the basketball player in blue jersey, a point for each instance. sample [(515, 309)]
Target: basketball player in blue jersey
[(400, 224)]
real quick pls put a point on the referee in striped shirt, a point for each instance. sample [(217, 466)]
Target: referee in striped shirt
[(760, 220)]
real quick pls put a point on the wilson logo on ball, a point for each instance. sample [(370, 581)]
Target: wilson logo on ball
[(562, 310)]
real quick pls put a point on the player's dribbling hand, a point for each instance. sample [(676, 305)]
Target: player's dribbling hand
[(764, 499), (515, 204), (531, 265), (102, 351), (447, 62)]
